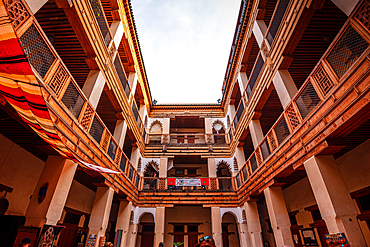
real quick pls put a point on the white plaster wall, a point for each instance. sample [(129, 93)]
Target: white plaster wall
[(237, 212), (355, 167), (80, 198), (299, 195), (19, 170)]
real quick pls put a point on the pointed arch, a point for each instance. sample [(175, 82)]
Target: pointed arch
[(156, 127)]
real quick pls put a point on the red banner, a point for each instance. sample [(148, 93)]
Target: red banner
[(171, 181), (204, 181)]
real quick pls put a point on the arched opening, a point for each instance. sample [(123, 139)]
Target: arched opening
[(150, 176), (218, 130), (224, 177), (145, 236), (155, 132), (230, 233)]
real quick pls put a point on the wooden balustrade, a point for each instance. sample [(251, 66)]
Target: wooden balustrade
[(349, 45), (60, 83)]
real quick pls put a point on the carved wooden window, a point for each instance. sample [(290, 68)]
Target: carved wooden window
[(348, 49), (292, 116), (17, 12), (37, 51)]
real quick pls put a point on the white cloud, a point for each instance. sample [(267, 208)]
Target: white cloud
[(185, 46)]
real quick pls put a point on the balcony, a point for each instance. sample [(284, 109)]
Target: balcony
[(76, 123), (322, 105)]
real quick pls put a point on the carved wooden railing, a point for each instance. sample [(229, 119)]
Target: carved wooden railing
[(350, 44), (58, 81)]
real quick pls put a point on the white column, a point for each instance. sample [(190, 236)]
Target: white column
[(279, 216), (333, 199), (100, 212), (132, 80), (211, 168), (259, 31), (117, 31), (93, 87), (208, 130), (239, 153), (231, 112), (120, 132), (254, 225), (243, 234), (123, 220), (345, 5), (285, 87), (256, 132), (163, 167), (159, 225), (58, 172), (216, 226), (134, 159), (242, 80), (132, 235)]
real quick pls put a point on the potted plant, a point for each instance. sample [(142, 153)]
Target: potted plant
[(178, 244)]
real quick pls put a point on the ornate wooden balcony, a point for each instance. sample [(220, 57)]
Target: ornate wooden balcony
[(333, 99)]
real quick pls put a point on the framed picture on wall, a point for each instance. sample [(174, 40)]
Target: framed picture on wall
[(309, 237)]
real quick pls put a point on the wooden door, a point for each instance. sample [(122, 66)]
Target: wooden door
[(225, 235), (192, 239), (147, 238), (178, 238)]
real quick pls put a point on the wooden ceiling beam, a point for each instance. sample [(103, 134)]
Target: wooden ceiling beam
[(80, 32)]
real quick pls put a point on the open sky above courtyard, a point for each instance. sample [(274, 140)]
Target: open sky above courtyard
[(185, 47)]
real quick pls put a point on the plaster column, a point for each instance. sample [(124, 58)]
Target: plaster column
[(216, 226), (93, 87), (132, 81), (259, 31), (134, 159), (208, 130), (333, 199), (278, 215), (211, 168), (58, 172), (100, 212), (284, 86), (166, 131), (243, 234), (254, 224), (163, 167), (117, 31), (242, 81), (256, 132), (123, 220), (240, 158), (120, 132), (159, 225), (345, 5), (231, 113), (132, 235), (163, 164)]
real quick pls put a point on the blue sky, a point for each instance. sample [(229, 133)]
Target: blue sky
[(185, 46)]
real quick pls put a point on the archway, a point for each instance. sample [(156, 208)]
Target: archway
[(224, 176), (218, 130), (150, 176), (230, 233), (155, 132), (145, 237)]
